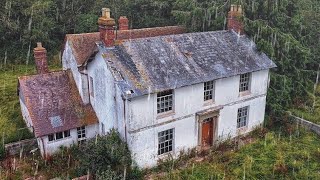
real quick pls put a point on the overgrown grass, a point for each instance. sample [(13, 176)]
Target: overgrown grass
[(272, 156), (12, 126), (310, 111)]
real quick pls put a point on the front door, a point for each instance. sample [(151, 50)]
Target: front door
[(207, 132)]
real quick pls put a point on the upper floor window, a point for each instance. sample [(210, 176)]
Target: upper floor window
[(91, 86), (244, 82), (164, 101), (208, 90), (243, 114), (165, 141)]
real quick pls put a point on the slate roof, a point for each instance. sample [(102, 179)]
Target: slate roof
[(54, 103), (154, 64), (83, 45)]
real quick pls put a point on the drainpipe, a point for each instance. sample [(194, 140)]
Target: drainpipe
[(125, 101), (43, 147)]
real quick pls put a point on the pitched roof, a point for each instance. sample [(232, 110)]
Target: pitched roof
[(54, 103), (83, 45), (154, 64)]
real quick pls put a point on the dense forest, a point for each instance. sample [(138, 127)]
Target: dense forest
[(286, 30)]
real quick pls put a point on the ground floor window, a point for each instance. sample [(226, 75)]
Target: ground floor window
[(243, 114), (165, 141), (81, 134), (59, 135)]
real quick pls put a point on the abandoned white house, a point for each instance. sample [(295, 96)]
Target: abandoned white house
[(165, 90)]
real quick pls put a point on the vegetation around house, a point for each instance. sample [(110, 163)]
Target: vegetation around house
[(287, 31), (104, 157), (12, 126), (289, 152)]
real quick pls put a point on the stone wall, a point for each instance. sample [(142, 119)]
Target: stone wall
[(15, 148), (307, 124)]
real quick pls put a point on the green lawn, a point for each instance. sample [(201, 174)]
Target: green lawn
[(270, 156)]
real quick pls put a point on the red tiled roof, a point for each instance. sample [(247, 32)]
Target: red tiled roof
[(54, 95), (83, 45)]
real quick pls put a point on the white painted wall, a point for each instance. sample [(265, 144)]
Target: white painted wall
[(144, 125), (107, 101), (69, 62), (26, 115), (51, 147)]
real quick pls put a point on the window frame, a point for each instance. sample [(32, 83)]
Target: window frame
[(81, 133), (165, 149), (211, 92), (245, 82), (64, 135), (161, 101), (243, 117)]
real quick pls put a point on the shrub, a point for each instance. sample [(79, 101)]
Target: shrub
[(104, 154)]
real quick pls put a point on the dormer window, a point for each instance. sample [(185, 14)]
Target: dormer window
[(244, 82), (165, 101)]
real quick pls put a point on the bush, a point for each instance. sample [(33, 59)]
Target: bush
[(104, 154)]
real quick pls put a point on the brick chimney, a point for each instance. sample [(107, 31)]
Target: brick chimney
[(123, 23), (106, 28), (40, 56), (235, 19)]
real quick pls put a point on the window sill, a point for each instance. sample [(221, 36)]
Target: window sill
[(165, 114), (242, 130), (166, 155), (208, 103), (244, 93)]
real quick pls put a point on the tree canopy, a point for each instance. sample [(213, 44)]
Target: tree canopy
[(287, 31)]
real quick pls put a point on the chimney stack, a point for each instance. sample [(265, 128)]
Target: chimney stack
[(235, 19), (123, 23), (106, 28), (40, 56)]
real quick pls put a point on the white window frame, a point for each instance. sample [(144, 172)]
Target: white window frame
[(242, 117), (166, 141), (165, 101), (81, 133), (208, 90), (244, 82), (55, 136)]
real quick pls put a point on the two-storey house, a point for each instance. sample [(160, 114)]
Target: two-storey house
[(165, 90)]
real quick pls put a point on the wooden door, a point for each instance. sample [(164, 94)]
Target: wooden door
[(207, 132)]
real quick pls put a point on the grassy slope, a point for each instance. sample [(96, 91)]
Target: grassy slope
[(307, 112), (12, 125), (273, 156)]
